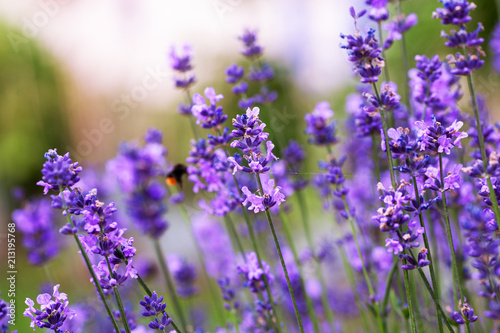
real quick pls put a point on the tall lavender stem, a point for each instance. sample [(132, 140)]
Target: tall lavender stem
[(406, 67), (305, 221), (482, 148), (291, 243), (426, 242), (119, 301), (278, 248), (170, 285)]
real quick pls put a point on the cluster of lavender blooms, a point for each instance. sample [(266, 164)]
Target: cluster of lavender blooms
[(410, 190)]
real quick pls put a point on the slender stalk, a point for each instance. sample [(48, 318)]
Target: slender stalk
[(191, 117), (375, 157), (235, 236), (169, 282), (291, 243), (381, 40), (435, 299), (89, 267), (388, 283), (409, 299), (449, 236), (119, 301), (216, 300), (387, 149), (406, 67), (278, 248), (318, 272), (259, 257), (429, 255), (365, 271), (482, 148)]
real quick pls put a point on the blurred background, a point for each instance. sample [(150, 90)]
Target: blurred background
[(69, 68)]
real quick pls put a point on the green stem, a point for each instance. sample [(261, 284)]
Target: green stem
[(278, 248), (363, 266), (449, 236), (381, 40), (291, 243), (388, 283), (169, 282), (482, 148), (234, 234), (259, 257), (375, 157), (387, 148), (119, 301), (435, 299), (216, 300), (409, 299), (426, 242), (406, 67), (89, 267), (324, 295)]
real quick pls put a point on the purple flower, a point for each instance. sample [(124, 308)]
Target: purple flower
[(495, 47), (35, 221), (419, 263), (272, 196), (53, 312), (378, 11), (398, 27), (466, 314), (208, 116), (454, 12), (58, 172), (184, 275), (254, 274), (464, 65), (251, 49), (438, 139), (153, 305), (319, 126), (365, 54), (234, 73)]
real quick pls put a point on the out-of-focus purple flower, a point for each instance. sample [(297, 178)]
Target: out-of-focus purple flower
[(215, 245), (454, 12), (184, 275), (253, 274), (137, 169), (36, 222), (319, 126), (495, 47), (181, 63), (54, 310), (234, 73), (378, 10), (251, 49), (398, 27)]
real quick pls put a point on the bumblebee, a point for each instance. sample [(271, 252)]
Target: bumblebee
[(175, 176)]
